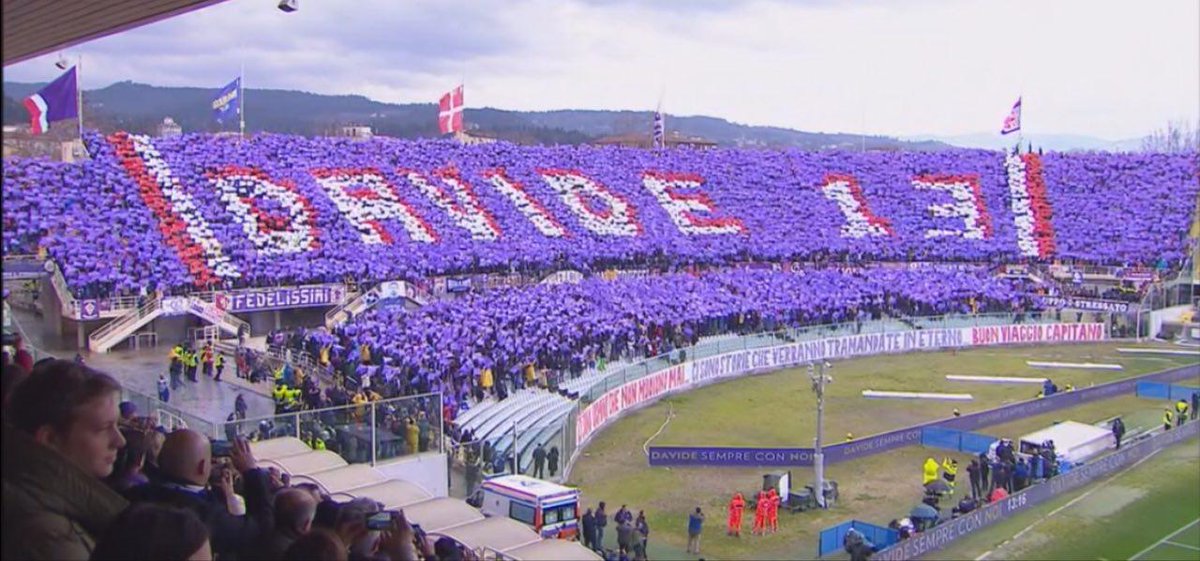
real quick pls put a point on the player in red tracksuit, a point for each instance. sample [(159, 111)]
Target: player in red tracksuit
[(760, 513), (736, 506), (773, 510)]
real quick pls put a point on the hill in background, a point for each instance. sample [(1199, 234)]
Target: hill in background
[(140, 108)]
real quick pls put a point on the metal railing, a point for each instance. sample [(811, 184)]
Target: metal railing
[(369, 432), (99, 340), (70, 307)]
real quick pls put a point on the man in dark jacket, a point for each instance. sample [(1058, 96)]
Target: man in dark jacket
[(601, 523), (552, 459), (973, 473), (186, 464), (589, 529), (294, 512), (1118, 431), (539, 461)]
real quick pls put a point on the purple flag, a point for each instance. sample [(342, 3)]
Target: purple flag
[(55, 102)]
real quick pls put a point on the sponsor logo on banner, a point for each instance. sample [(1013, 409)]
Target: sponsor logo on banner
[(89, 309), (630, 394), (458, 284), (564, 277), (1086, 304), (175, 305), (281, 298)]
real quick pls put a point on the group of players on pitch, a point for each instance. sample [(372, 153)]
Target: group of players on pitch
[(766, 513)]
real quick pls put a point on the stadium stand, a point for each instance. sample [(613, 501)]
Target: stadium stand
[(204, 211)]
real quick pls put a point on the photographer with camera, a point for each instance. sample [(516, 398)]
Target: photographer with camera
[(186, 468), (373, 534)]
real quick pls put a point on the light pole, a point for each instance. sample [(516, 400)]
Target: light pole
[(817, 373)]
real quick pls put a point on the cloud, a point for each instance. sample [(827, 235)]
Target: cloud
[(1102, 68)]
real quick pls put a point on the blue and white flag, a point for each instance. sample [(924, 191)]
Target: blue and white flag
[(55, 102), (228, 102)]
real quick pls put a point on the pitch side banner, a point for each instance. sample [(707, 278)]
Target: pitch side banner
[(741, 362), (703, 371), (950, 531), (627, 396)]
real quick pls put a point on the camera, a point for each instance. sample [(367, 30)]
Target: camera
[(380, 520), (222, 448)]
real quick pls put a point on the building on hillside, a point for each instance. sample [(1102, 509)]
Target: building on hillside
[(169, 127), (645, 140), (361, 132), (61, 143), (475, 138)]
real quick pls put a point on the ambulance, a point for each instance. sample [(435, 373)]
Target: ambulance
[(552, 510)]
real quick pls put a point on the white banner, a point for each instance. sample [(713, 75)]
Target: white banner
[(617, 400)]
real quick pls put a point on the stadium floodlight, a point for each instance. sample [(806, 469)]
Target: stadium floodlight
[(817, 372), (289, 6)]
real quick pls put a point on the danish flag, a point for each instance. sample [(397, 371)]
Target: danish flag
[(450, 111)]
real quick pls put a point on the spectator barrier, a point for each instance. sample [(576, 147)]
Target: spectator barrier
[(956, 440), (1169, 392), (701, 371), (831, 539), (368, 433), (781, 457), (954, 529)]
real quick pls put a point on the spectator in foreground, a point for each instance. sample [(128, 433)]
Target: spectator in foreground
[(60, 440), (127, 470), (154, 532), (186, 466), (318, 545), (294, 512)]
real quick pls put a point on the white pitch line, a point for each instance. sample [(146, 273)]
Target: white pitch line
[(1184, 545), (876, 394), (1095, 488), (995, 379), (1164, 540), (1157, 352), (1085, 365)]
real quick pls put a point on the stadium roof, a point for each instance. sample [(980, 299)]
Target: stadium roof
[(36, 27)]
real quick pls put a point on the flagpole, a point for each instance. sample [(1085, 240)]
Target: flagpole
[(79, 93), (242, 101)]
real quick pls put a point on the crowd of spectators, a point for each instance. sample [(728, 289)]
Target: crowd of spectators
[(495, 342), (515, 208), (84, 477)]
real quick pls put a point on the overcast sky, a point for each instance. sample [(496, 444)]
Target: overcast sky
[(1096, 67)]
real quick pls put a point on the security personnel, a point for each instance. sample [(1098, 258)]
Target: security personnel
[(279, 393), (206, 359), (1181, 412), (192, 362), (1167, 418), (949, 470), (219, 363), (930, 471)]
